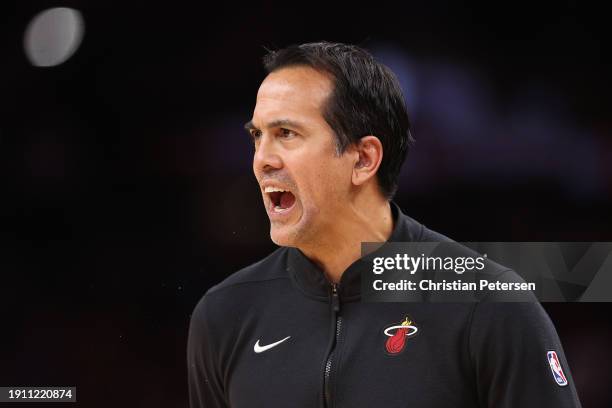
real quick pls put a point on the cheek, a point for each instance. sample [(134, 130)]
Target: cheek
[(339, 174), (327, 183)]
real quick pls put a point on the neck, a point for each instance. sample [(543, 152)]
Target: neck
[(361, 221)]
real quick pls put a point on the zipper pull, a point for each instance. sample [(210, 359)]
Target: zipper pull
[(335, 298)]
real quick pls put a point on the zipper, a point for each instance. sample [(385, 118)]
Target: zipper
[(337, 319)]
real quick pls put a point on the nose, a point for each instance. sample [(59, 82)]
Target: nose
[(266, 157)]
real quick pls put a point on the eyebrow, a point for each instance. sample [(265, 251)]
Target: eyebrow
[(276, 123)]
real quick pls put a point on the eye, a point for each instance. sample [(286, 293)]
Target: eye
[(255, 134), (287, 133)]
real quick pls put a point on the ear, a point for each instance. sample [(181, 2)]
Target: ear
[(370, 154)]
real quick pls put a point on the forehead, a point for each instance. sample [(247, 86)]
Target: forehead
[(297, 92)]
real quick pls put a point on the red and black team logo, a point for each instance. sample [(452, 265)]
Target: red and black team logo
[(398, 334)]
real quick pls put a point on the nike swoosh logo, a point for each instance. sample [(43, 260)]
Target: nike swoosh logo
[(260, 349)]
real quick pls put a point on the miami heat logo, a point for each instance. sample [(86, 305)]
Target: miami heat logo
[(398, 334)]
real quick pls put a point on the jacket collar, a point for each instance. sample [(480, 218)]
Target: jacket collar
[(311, 280)]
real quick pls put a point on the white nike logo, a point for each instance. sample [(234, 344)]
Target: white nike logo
[(259, 349)]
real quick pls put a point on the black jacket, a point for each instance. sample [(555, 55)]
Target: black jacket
[(332, 350)]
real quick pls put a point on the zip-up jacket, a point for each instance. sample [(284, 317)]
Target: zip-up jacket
[(278, 334)]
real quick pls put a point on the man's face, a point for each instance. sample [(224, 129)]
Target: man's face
[(304, 183)]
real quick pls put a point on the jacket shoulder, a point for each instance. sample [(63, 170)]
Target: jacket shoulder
[(216, 307), (271, 267)]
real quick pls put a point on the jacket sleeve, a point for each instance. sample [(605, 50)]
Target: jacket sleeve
[(509, 347), (206, 388)]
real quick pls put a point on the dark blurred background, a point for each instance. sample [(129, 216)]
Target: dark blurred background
[(126, 176)]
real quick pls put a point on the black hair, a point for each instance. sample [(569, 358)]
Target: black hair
[(366, 100)]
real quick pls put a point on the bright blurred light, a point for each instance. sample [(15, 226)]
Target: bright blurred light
[(53, 36)]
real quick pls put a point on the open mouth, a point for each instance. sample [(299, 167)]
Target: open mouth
[(281, 200)]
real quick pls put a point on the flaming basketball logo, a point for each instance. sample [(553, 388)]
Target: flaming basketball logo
[(398, 334)]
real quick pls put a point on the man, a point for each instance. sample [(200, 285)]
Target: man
[(331, 131)]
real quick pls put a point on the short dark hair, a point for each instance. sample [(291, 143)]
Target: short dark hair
[(366, 100)]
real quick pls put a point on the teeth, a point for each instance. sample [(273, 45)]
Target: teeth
[(273, 190), (278, 208)]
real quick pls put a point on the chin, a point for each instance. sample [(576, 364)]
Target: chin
[(293, 233), (283, 237)]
